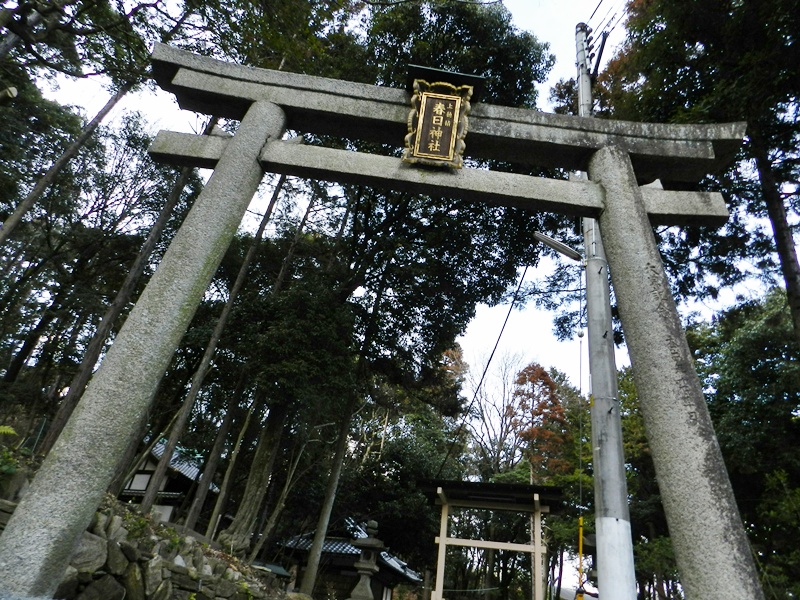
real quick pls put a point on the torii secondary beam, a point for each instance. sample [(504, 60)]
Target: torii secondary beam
[(576, 198)]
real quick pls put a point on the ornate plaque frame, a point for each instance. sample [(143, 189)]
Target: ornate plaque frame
[(437, 124)]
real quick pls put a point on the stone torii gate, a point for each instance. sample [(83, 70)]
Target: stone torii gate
[(711, 548)]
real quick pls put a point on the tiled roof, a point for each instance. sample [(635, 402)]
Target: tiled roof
[(333, 545), (160, 496), (271, 568), (181, 463), (401, 567), (329, 546)]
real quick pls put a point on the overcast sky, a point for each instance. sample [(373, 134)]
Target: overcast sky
[(554, 21), (528, 333)]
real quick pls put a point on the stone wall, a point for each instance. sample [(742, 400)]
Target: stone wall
[(123, 557)]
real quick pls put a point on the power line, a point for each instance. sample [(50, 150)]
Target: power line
[(605, 17), (605, 22), (611, 19), (595, 10), (485, 370), (614, 26)]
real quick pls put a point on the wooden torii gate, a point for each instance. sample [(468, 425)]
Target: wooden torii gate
[(710, 545), (451, 496)]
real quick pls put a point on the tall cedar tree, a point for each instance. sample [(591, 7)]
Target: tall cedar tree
[(717, 61)]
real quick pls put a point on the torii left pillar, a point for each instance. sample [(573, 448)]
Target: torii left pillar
[(36, 545)]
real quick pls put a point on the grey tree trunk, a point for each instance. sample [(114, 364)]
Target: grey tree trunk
[(13, 220), (224, 489), (280, 503), (315, 552), (782, 231), (205, 363), (287, 261), (488, 576), (89, 360), (12, 39), (212, 462), (33, 337), (236, 538), (131, 461), (39, 538)]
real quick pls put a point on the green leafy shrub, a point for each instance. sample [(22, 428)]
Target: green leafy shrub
[(9, 463)]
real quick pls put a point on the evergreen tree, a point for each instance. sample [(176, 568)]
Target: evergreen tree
[(719, 61), (748, 358)]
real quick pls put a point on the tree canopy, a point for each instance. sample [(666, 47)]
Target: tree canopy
[(717, 62), (343, 335)]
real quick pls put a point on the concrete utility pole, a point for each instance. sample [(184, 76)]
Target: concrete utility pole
[(615, 571)]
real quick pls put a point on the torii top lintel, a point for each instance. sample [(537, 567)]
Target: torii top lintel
[(679, 153)]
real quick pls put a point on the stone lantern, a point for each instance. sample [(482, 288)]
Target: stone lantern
[(366, 565)]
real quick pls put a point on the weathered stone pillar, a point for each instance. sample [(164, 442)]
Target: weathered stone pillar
[(710, 544), (37, 543)]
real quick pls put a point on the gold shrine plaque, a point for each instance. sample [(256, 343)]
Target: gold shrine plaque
[(437, 124)]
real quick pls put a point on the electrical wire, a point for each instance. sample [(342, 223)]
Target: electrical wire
[(605, 17), (616, 11), (606, 21), (595, 10), (483, 375), (617, 22), (608, 24)]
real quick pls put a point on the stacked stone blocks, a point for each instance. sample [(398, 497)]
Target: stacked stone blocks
[(115, 562)]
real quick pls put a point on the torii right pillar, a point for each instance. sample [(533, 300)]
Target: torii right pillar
[(711, 548)]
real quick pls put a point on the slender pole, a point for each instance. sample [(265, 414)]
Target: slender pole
[(8, 226), (538, 550), (438, 590), (199, 376), (615, 571), (95, 348), (315, 552)]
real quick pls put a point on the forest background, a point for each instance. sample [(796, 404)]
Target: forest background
[(320, 378)]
